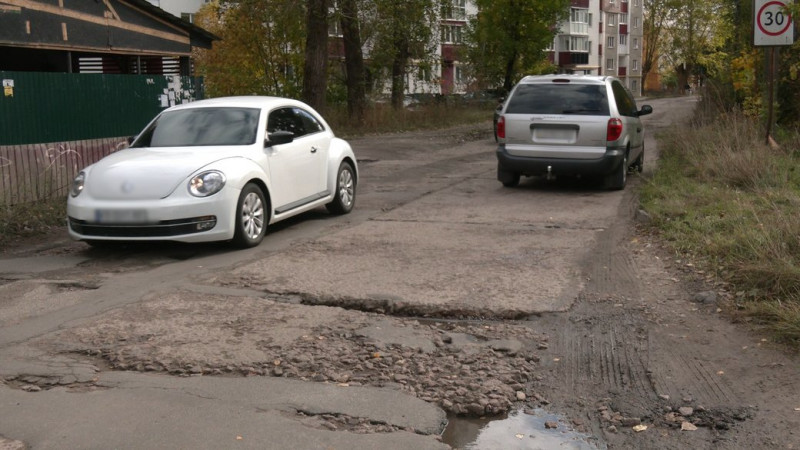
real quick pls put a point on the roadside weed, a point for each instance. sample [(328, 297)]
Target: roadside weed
[(728, 200)]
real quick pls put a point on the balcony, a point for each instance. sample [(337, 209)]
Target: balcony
[(572, 58), (578, 28), (623, 71)]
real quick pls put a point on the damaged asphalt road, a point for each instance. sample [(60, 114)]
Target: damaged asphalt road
[(442, 295)]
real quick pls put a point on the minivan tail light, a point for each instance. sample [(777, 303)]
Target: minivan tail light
[(614, 129), (501, 127)]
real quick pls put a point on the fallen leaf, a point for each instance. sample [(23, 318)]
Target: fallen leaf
[(519, 436), (639, 428), (688, 426), (720, 373), (239, 438), (556, 359), (797, 409)]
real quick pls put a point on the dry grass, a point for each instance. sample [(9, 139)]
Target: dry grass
[(726, 198), (381, 118)]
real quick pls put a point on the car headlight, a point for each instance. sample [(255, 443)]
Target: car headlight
[(206, 183), (77, 185)]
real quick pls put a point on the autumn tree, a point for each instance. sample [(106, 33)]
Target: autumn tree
[(261, 50), (354, 59), (508, 38), (697, 36), (403, 30), (315, 80), (657, 17)]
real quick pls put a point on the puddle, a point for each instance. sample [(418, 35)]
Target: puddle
[(517, 431)]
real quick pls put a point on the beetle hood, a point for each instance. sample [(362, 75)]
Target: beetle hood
[(147, 173)]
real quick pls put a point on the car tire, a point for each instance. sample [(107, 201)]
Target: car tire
[(616, 180), (509, 179), (639, 163), (251, 217), (345, 191)]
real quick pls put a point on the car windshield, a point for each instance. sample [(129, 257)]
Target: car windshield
[(201, 126), (559, 98)]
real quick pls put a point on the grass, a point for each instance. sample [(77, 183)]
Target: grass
[(31, 219), (725, 198), (382, 118)]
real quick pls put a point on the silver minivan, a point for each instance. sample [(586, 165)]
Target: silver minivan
[(570, 125)]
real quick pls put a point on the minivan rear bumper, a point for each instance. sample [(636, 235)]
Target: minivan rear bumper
[(522, 165)]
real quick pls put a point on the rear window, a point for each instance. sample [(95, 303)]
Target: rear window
[(559, 98)]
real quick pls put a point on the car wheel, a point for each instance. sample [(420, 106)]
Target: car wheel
[(639, 163), (509, 179), (345, 196), (251, 217), (616, 181)]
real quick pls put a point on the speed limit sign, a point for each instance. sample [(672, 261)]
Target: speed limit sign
[(773, 23)]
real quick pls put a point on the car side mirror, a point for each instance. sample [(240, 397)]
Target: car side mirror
[(646, 109), (278, 138)]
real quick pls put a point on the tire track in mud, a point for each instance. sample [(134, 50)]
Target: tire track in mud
[(607, 347)]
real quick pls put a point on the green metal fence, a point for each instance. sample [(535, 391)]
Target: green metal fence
[(54, 124), (40, 107)]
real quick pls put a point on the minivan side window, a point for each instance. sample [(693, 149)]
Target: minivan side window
[(625, 104)]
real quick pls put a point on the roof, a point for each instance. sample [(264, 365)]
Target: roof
[(156, 11)]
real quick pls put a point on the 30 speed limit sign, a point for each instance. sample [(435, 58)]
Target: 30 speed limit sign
[(773, 23)]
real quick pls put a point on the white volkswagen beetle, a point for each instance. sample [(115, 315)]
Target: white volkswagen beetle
[(214, 170)]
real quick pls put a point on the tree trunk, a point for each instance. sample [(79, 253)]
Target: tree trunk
[(399, 73), (354, 60), (315, 75)]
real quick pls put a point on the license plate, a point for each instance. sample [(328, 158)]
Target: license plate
[(120, 216)]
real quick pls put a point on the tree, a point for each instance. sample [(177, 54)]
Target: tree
[(354, 60), (657, 17), (508, 38), (315, 80), (261, 50), (404, 30), (697, 37)]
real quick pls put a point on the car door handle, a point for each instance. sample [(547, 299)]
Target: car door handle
[(314, 149)]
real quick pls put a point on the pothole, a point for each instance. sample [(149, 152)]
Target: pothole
[(397, 307), (530, 429)]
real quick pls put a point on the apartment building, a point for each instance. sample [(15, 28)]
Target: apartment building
[(185, 9), (602, 37)]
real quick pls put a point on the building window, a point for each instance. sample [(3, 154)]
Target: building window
[(335, 28), (623, 18), (454, 10), (188, 17), (623, 39), (636, 2), (611, 18), (579, 44), (610, 42), (635, 87), (610, 64), (589, 44), (635, 22), (636, 43), (459, 74), (451, 34), (635, 65)]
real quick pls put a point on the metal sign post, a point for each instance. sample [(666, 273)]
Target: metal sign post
[(772, 27)]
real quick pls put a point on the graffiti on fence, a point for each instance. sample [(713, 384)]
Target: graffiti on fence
[(43, 171)]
